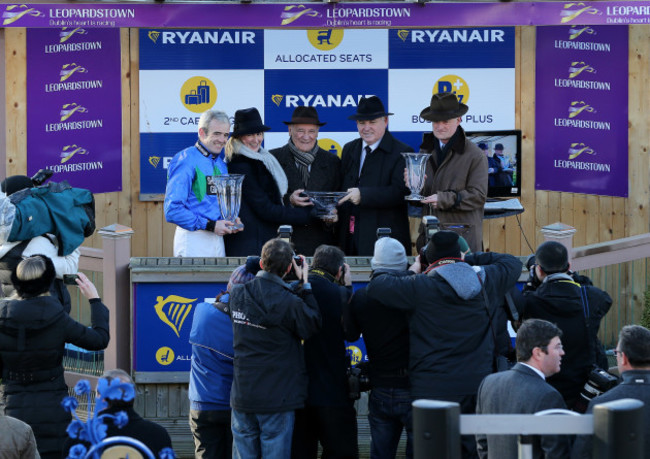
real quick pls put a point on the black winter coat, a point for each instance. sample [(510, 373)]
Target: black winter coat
[(33, 333), (262, 210), (324, 175), (558, 299), (382, 190), (269, 321)]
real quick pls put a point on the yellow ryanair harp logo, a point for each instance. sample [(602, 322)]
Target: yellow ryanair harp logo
[(277, 99), (173, 311), (403, 34)]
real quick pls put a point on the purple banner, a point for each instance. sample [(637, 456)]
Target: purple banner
[(319, 15), (581, 112), (74, 110)]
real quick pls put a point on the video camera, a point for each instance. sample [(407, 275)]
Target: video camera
[(431, 227)]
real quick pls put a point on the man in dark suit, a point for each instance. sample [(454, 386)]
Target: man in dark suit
[(373, 176), (633, 362), (308, 167), (523, 390)]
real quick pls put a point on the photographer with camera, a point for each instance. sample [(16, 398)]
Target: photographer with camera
[(270, 319), (386, 336), (553, 293), (12, 253), (633, 362), (329, 416)]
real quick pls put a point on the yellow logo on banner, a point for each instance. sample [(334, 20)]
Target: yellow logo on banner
[(575, 33), (355, 355), (578, 67), (292, 13), (70, 109), (67, 70), (331, 146), (67, 33), (70, 150), (325, 39), (153, 35), (165, 355), (403, 34), (579, 106), (453, 84), (578, 148), (154, 160), (277, 99), (173, 311), (198, 94), (573, 10), (15, 12)]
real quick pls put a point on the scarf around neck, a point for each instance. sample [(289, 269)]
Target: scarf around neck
[(272, 165), (303, 160)]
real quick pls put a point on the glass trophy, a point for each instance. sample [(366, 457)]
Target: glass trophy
[(229, 196), (325, 202), (416, 164)]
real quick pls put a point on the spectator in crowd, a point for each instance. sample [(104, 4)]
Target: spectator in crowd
[(373, 177), (450, 306), (553, 294), (11, 253), (308, 167), (265, 184), (33, 331), (523, 390), (457, 172), (329, 416), (386, 336), (152, 435), (633, 362), (17, 439), (191, 197), (270, 318), (211, 370)]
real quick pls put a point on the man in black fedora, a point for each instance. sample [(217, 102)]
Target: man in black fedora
[(373, 177), (308, 167), (457, 172)]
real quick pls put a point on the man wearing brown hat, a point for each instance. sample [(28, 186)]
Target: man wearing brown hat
[(373, 177), (308, 167), (457, 172)]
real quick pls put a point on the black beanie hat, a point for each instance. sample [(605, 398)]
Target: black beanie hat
[(34, 287), (16, 183), (443, 244)]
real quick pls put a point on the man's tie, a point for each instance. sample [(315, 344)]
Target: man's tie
[(364, 153)]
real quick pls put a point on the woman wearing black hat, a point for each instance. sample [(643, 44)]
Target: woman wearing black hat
[(265, 184), (33, 331)]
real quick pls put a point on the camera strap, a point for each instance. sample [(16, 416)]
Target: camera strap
[(495, 353)]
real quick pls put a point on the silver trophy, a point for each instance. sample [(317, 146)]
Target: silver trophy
[(325, 202), (416, 164), (228, 189)]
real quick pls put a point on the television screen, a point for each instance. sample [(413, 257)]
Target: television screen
[(503, 149)]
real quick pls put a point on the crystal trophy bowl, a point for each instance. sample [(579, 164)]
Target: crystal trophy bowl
[(416, 164), (228, 189), (325, 202)]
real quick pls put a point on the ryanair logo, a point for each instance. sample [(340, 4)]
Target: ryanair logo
[(153, 35), (573, 10), (14, 12), (403, 34), (67, 70), (292, 13), (578, 148), (578, 67), (173, 311), (154, 160), (202, 37), (575, 33), (70, 150), (482, 35), (318, 100), (67, 33), (579, 106), (67, 110)]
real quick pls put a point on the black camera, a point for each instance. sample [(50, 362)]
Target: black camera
[(383, 232), (431, 227), (70, 279), (598, 382), (41, 176), (533, 281), (358, 380)]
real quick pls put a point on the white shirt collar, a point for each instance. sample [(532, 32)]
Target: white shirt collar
[(541, 375), (373, 147)]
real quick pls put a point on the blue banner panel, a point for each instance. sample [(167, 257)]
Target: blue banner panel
[(489, 47), (334, 93), (201, 49), (156, 151), (162, 321)]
